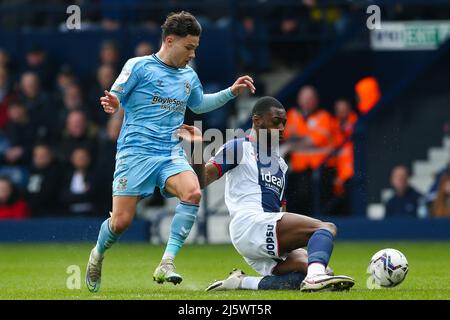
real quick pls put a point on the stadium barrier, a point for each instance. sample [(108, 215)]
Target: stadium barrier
[(86, 229), (65, 230)]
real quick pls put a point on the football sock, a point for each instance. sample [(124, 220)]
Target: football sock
[(185, 215), (320, 247), (106, 238), (288, 281), (250, 283)]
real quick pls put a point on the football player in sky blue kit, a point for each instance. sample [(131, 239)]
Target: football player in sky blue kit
[(270, 239), (154, 92)]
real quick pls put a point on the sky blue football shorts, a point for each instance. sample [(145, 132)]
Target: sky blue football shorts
[(138, 174)]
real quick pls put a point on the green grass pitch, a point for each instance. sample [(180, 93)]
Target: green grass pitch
[(39, 271)]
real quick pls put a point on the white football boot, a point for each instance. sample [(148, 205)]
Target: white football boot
[(231, 283), (325, 282), (94, 271), (329, 271), (166, 272)]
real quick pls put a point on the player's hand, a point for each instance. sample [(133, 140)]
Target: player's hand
[(189, 133), (241, 84), (110, 103)]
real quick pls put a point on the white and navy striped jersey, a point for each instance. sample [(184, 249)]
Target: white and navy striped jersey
[(255, 180)]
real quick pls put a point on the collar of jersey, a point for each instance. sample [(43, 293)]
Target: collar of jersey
[(163, 63)]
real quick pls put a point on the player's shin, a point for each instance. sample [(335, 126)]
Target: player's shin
[(106, 238), (288, 281), (185, 215), (320, 247)]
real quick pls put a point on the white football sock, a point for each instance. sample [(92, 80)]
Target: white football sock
[(168, 256), (250, 283), (315, 268)]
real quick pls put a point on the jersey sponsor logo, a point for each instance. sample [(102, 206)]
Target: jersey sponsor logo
[(170, 104), (270, 239), (271, 179), (172, 108), (187, 87)]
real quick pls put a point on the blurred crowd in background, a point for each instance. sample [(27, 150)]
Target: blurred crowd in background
[(57, 146)]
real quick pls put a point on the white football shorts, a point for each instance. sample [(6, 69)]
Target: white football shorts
[(254, 235)]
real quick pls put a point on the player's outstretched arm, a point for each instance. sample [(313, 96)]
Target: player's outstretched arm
[(207, 173), (202, 103), (110, 103)]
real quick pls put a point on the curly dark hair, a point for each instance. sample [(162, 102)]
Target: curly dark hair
[(181, 24)]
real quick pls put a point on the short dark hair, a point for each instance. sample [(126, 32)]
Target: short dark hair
[(43, 144), (344, 99), (181, 24), (403, 166), (264, 104)]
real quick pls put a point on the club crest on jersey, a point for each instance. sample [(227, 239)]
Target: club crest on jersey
[(187, 87), (122, 184)]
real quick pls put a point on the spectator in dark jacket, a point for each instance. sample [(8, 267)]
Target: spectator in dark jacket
[(78, 133), (44, 184), (72, 99), (11, 205), (406, 199), (78, 194), (38, 106), (21, 134), (37, 62), (105, 164), (64, 79)]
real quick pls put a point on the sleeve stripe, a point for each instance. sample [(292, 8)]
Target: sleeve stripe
[(218, 167)]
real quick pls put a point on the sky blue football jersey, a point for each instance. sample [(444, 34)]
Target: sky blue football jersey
[(154, 97)]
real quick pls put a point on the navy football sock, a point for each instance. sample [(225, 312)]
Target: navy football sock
[(288, 281), (320, 247)]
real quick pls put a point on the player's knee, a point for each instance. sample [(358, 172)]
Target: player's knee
[(192, 196), (120, 224), (330, 227)]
